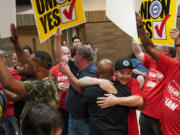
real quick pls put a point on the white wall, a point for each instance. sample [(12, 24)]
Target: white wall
[(94, 5)]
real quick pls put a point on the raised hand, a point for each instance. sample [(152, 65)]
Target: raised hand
[(14, 35), (175, 35), (139, 20), (58, 35), (64, 68)]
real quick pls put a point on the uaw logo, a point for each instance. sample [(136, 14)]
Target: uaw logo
[(61, 1), (126, 63), (155, 9), (174, 90)]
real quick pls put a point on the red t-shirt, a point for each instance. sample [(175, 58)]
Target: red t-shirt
[(153, 89), (9, 109), (170, 119), (134, 86), (61, 78)]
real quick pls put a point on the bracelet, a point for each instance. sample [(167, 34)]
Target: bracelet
[(140, 26)]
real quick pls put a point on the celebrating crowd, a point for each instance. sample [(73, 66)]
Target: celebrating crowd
[(78, 97)]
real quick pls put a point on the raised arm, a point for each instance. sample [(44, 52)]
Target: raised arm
[(19, 51), (57, 47), (9, 82), (103, 83), (175, 35), (138, 52), (146, 41)]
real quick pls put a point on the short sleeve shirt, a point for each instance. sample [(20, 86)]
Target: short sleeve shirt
[(170, 118), (61, 79), (73, 98), (40, 91), (108, 121), (153, 88)]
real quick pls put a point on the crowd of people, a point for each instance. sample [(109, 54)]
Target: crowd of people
[(79, 97)]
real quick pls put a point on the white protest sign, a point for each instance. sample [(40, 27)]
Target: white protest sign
[(8, 16), (122, 13)]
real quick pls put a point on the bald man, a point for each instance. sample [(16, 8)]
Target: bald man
[(112, 120)]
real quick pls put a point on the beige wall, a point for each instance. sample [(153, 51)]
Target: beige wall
[(94, 5)]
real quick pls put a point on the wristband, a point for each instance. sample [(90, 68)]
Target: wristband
[(177, 45)]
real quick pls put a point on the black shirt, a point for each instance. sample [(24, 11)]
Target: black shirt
[(73, 98), (108, 121)]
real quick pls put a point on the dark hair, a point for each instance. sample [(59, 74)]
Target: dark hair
[(76, 37), (43, 59), (42, 120), (28, 48), (73, 51)]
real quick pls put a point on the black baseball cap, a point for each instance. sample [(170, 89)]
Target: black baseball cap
[(123, 63)]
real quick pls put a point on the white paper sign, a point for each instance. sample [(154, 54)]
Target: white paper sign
[(8, 16), (122, 13)]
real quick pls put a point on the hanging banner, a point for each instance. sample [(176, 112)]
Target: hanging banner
[(50, 14), (159, 17)]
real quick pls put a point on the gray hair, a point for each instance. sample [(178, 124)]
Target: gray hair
[(87, 52)]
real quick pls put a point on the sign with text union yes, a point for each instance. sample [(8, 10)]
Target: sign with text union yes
[(159, 17), (53, 14)]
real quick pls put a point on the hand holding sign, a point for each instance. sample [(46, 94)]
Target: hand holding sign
[(175, 35)]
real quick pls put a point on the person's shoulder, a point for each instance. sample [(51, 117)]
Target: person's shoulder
[(93, 90), (40, 83), (132, 82), (92, 68), (118, 85), (91, 87), (148, 58), (123, 90), (54, 69), (71, 62)]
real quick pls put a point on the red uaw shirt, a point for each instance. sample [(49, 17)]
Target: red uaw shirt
[(170, 119), (61, 79), (153, 89), (134, 86), (9, 109)]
